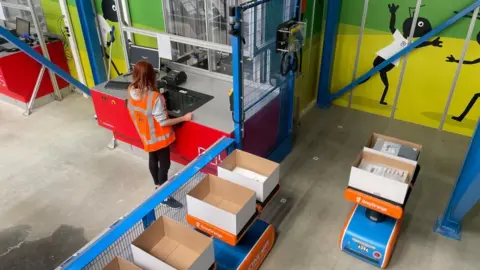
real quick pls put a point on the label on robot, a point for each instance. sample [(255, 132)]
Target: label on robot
[(363, 243)]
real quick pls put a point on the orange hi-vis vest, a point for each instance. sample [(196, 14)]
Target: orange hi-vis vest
[(154, 136)]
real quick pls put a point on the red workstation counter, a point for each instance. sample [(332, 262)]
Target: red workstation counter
[(19, 72), (211, 121)]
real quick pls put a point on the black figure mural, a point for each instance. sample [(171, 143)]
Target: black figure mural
[(400, 41), (451, 59), (109, 11)]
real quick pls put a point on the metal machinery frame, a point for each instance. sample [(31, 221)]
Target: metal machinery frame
[(31, 8), (121, 233), (467, 189), (72, 40), (87, 20)]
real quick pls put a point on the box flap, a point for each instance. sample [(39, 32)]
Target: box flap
[(121, 264), (222, 193), (390, 161), (185, 236), (373, 139), (151, 236), (250, 162), (182, 258)]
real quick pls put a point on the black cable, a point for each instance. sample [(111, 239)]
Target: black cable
[(288, 62)]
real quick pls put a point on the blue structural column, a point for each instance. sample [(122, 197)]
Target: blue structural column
[(237, 71), (466, 192), (328, 52), (88, 18)]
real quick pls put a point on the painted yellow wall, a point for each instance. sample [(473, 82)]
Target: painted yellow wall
[(428, 78)]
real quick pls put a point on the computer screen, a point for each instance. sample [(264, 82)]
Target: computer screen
[(22, 27), (138, 53)]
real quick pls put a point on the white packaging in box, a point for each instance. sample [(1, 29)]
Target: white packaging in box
[(169, 245), (253, 172), (221, 203), (378, 182), (385, 171)]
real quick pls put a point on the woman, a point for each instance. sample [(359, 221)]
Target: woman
[(149, 114)]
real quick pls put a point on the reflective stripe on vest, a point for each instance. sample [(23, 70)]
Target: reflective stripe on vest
[(151, 126)]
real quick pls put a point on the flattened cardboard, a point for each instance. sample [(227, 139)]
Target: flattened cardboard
[(240, 168), (121, 264), (375, 136), (380, 186), (167, 244), (221, 203)]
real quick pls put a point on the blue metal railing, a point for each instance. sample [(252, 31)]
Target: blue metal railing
[(118, 229), (406, 50), (42, 60)]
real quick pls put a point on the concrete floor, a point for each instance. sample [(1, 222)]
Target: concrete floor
[(61, 186)]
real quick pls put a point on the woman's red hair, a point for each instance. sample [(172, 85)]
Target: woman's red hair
[(144, 78)]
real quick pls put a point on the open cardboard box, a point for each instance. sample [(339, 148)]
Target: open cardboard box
[(378, 185), (167, 244), (253, 172), (221, 203), (121, 264), (408, 149)]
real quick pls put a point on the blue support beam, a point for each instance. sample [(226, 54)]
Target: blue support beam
[(88, 18), (328, 52), (466, 192), (119, 228), (42, 60), (327, 68), (237, 72)]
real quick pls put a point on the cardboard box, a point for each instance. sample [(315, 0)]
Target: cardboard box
[(121, 264), (168, 245), (221, 203), (253, 172), (381, 186), (393, 146)]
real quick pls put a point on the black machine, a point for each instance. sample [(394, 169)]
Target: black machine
[(138, 53), (175, 78), (283, 34), (181, 101)]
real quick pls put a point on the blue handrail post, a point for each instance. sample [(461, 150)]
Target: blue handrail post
[(466, 192), (237, 69), (328, 53), (87, 15)]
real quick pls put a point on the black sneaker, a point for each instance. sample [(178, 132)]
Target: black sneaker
[(171, 202)]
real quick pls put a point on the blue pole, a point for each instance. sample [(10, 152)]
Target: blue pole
[(120, 228), (466, 192), (42, 60), (324, 91), (237, 71), (291, 100), (87, 16), (328, 52)]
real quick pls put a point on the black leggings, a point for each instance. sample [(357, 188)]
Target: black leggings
[(159, 164)]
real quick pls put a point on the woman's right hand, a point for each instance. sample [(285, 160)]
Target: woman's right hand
[(187, 117)]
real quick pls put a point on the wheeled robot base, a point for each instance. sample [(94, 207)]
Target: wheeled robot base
[(370, 236)]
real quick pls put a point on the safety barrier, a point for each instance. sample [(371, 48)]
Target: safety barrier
[(115, 241)]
